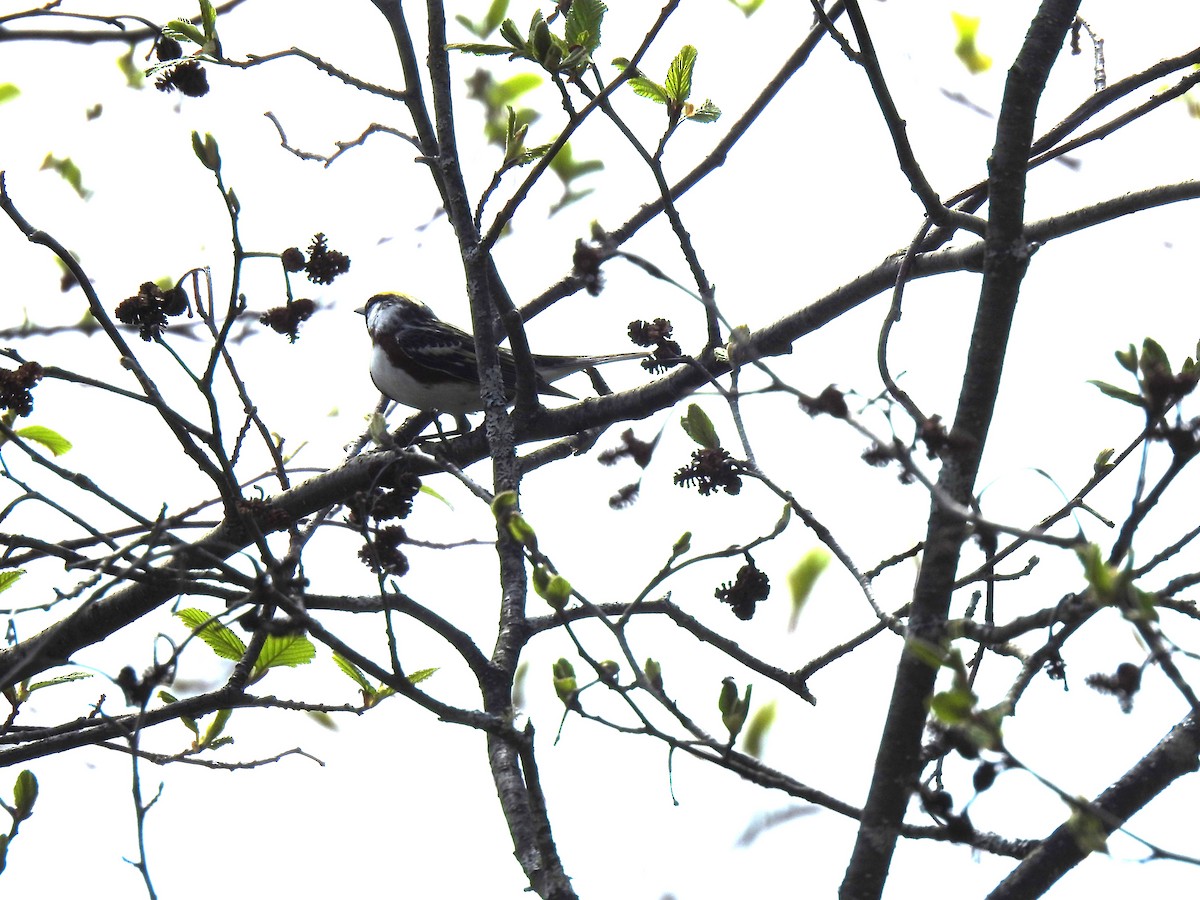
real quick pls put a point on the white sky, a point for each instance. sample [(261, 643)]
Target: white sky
[(811, 199)]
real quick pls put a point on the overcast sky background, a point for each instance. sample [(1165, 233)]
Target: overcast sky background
[(810, 199)]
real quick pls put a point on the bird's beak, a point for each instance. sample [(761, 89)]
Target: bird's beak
[(362, 310)]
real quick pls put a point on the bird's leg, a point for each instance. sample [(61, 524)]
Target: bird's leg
[(598, 383), (461, 426)]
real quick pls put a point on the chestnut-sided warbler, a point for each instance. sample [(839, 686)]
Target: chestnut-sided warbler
[(430, 365)]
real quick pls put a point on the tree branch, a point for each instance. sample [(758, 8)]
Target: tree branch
[(1006, 258), (1176, 755)]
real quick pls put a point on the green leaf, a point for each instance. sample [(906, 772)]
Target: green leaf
[(1111, 390), (521, 531), (640, 84), (218, 636), (551, 587), (679, 77), (508, 31), (704, 113), (1153, 358), (644, 87), (728, 696), (699, 427), (215, 727), (756, 732), (377, 429), (930, 654), (539, 40), (558, 590), (504, 93), (733, 710), (583, 22), (9, 578), (421, 675), (9, 91), (966, 50), (3, 851), (565, 684), (47, 437), (481, 49), (289, 650), (495, 15), (653, 671), (425, 489), (540, 578), (324, 719), (1100, 576), (681, 546), (567, 168), (183, 30), (515, 151), (503, 503), (530, 154), (504, 508), (749, 7), (1103, 460), (68, 171), (953, 707), (208, 16), (206, 151), (134, 76), (25, 793), (802, 578), (1128, 359), (58, 679), (1087, 829), (352, 672)]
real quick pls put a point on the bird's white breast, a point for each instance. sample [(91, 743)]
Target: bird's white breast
[(453, 398)]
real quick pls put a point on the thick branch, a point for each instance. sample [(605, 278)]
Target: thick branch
[(1006, 258), (1176, 755), (520, 799), (97, 621)]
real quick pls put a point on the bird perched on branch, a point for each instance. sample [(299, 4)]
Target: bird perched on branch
[(430, 365)]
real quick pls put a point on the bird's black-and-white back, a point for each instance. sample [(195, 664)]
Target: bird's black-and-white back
[(428, 364)]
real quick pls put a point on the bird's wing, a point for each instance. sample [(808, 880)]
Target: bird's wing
[(438, 356)]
